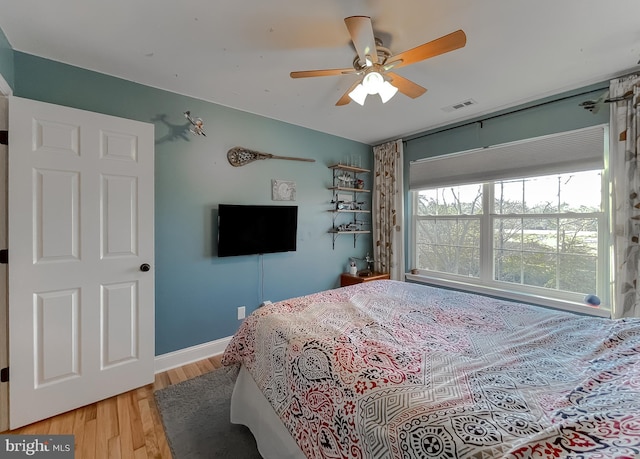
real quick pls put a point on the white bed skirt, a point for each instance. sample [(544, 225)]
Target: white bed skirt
[(249, 407)]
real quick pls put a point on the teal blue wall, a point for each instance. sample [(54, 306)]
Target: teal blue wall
[(197, 293), (6, 59), (551, 115)]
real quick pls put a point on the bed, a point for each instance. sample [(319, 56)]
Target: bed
[(390, 369)]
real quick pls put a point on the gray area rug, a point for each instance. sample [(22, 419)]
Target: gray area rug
[(195, 415)]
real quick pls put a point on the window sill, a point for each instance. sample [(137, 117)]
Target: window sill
[(509, 295)]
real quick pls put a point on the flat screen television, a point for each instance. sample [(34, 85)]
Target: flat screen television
[(256, 229)]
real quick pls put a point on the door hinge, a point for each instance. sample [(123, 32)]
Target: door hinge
[(4, 374), (4, 137), (4, 256)]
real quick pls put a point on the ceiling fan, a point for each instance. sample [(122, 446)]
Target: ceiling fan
[(374, 62)]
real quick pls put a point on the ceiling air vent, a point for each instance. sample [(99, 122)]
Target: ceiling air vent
[(459, 105)]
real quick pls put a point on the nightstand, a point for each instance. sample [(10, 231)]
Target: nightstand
[(350, 279)]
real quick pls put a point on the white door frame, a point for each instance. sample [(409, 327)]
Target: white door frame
[(5, 91)]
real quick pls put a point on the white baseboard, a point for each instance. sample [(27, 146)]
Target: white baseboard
[(191, 354)]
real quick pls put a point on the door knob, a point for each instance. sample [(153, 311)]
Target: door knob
[(145, 267)]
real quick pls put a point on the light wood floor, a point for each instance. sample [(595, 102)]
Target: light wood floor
[(125, 426)]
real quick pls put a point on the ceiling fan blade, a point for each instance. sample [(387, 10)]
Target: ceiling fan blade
[(406, 87), (434, 48), (317, 73), (361, 32), (345, 99)]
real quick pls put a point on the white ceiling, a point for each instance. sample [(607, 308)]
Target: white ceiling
[(239, 53)]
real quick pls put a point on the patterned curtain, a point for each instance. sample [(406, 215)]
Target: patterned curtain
[(388, 210), (623, 159)]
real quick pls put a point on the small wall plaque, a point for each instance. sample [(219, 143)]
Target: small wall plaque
[(283, 190)]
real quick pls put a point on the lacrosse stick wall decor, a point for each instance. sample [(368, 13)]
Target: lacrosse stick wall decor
[(239, 156)]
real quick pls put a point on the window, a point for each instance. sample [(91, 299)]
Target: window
[(544, 236), (545, 231), (448, 222), (541, 233)]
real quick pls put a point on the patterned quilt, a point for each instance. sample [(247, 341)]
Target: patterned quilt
[(390, 369)]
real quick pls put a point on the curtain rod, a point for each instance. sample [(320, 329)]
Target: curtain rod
[(594, 105), (470, 123)]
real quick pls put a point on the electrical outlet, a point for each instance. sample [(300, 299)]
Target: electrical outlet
[(241, 312)]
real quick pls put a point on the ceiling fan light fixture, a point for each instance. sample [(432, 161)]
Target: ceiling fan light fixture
[(372, 82), (359, 94), (387, 91)]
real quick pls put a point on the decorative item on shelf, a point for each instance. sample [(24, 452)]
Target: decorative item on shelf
[(345, 180), (359, 184), (239, 156), (351, 160), (197, 125), (342, 201), (352, 226), (349, 205)]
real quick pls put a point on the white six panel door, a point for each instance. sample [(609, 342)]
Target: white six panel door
[(81, 309)]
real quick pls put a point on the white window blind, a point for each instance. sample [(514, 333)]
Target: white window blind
[(571, 151)]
